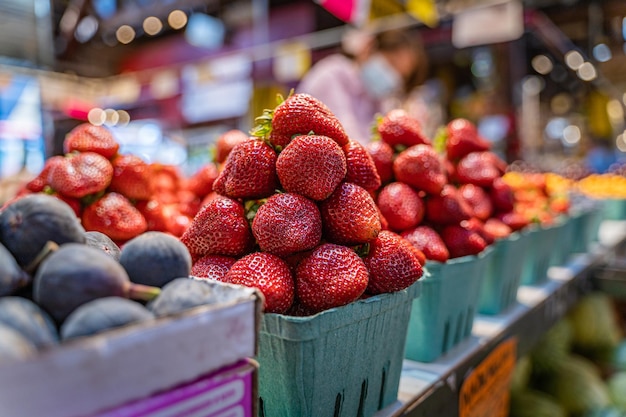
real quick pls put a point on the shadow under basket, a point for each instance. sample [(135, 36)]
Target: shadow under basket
[(345, 361), (444, 314)]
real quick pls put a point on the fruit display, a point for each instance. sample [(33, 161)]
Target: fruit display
[(603, 186)]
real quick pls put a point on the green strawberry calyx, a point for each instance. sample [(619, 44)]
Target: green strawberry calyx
[(440, 140)]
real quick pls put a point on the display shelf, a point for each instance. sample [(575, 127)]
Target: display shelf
[(428, 389)]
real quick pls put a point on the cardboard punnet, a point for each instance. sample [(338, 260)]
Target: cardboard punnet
[(95, 373)]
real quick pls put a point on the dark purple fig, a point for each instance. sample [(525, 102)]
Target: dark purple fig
[(155, 258), (28, 319), (184, 293), (29, 223), (75, 274), (14, 346), (12, 277), (103, 314), (101, 241)]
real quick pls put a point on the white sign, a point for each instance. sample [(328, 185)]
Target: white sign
[(494, 23)]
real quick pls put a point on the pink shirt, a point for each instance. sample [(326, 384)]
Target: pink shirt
[(336, 82)]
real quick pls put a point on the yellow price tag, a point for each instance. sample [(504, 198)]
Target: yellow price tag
[(423, 10)]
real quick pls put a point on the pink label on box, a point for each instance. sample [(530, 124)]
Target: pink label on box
[(225, 393)]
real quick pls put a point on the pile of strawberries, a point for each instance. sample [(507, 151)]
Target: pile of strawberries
[(448, 198), (293, 215)]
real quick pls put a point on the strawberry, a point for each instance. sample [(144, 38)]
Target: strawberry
[(114, 216), (361, 169), (496, 161), (448, 207), (384, 224), (201, 183), (331, 276), (516, 221), (154, 213), (497, 228), (212, 267), (226, 142), (349, 215), (188, 203), (249, 171), (426, 239), (478, 200), (475, 225), (501, 195), (420, 167), (463, 138), (382, 155), (209, 197), (401, 205), (219, 228), (312, 166), (39, 183), (393, 264), (79, 175), (462, 242), (74, 203), (131, 177), (477, 168), (299, 114), (166, 181), (89, 138), (177, 223), (269, 274), (398, 128), (286, 224)]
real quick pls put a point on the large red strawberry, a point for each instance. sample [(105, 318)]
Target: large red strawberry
[(114, 216), (461, 241), (361, 169), (312, 166), (132, 177), (212, 267), (477, 168), (397, 127), (226, 142), (420, 167), (448, 207), (249, 171), (383, 155), (502, 196), (426, 239), (349, 215), (40, 182), (478, 200), (79, 175), (219, 228), (331, 276), (89, 138), (401, 206), (270, 274), (393, 264), (463, 138), (201, 183), (299, 114), (286, 224)]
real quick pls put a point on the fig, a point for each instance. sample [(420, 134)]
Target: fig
[(101, 241), (103, 314), (30, 222), (28, 319), (14, 346), (183, 293), (155, 258), (75, 274), (12, 277)]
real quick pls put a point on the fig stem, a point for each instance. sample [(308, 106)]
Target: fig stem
[(47, 249), (142, 292)]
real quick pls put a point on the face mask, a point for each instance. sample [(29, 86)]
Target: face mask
[(379, 77)]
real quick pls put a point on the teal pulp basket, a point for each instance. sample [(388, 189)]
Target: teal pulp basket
[(344, 361), (614, 209), (542, 240), (565, 235)]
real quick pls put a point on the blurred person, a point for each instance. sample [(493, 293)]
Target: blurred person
[(373, 74)]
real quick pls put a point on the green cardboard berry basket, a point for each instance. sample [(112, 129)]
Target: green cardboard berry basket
[(542, 239), (344, 361), (586, 225), (614, 209), (503, 274), (444, 313), (565, 235)]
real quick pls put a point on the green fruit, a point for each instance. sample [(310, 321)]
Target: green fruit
[(617, 388), (28, 319), (533, 403), (594, 324), (553, 348), (521, 373)]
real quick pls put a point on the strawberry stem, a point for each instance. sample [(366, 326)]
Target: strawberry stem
[(142, 292)]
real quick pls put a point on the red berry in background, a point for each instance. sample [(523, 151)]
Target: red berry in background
[(426, 239), (79, 175), (349, 216), (269, 274), (478, 200), (477, 168), (420, 167), (397, 127), (177, 223), (132, 177), (154, 213), (476, 225), (393, 264), (312, 166), (401, 206), (462, 242), (212, 267), (463, 138), (74, 203), (249, 171), (361, 169), (286, 224), (497, 228), (382, 154), (38, 183), (89, 138), (114, 216), (331, 276), (448, 207), (502, 196), (226, 142), (516, 221), (201, 183)]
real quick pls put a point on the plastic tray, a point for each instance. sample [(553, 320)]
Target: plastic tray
[(444, 314), (542, 240), (341, 362)]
